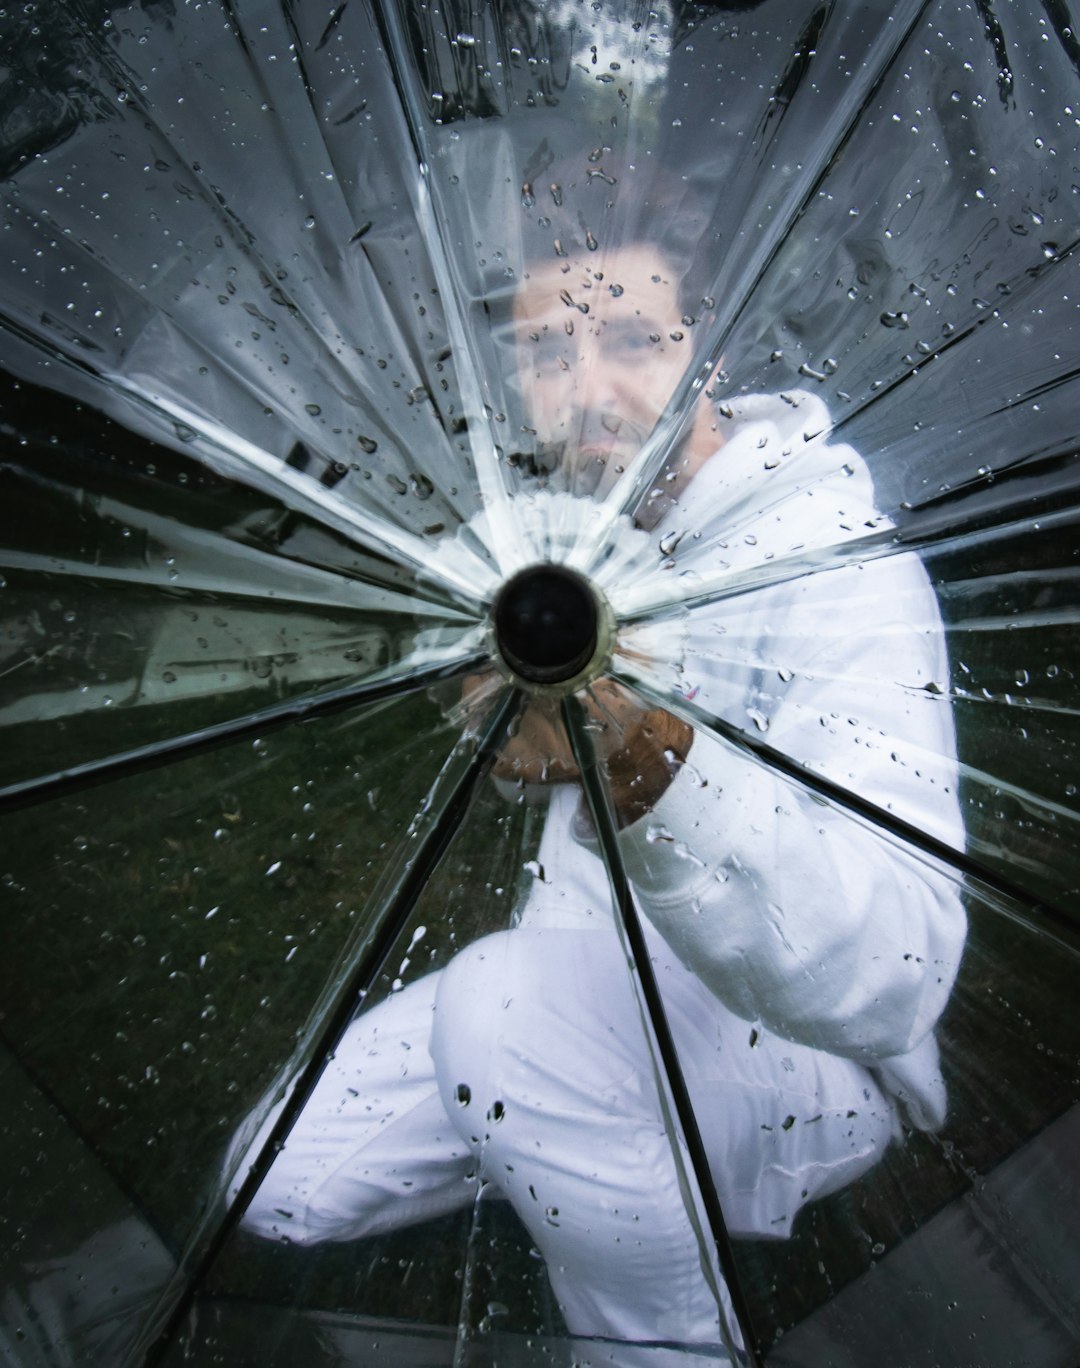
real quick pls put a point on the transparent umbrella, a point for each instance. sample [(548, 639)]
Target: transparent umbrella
[(538, 680)]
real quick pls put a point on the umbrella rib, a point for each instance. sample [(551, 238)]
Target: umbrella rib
[(647, 464), (675, 598), (290, 19), (434, 828), (1039, 910), (629, 916), (69, 1117), (502, 531), (178, 748), (1018, 293), (293, 598), (230, 221), (233, 456)]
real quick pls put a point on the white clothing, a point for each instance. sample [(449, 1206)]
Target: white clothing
[(803, 959)]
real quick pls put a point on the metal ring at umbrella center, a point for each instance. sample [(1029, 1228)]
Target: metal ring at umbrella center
[(551, 628)]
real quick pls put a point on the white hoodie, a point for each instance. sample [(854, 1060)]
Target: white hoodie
[(797, 915)]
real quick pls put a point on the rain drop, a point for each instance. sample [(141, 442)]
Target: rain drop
[(463, 1093), (421, 486)]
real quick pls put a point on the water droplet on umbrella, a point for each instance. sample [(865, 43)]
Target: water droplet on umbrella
[(421, 486)]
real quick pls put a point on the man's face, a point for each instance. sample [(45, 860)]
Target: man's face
[(600, 359)]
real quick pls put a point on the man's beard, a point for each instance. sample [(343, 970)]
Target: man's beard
[(601, 445)]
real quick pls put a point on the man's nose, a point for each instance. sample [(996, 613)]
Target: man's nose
[(604, 384)]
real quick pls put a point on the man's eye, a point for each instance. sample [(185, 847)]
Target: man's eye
[(630, 344), (547, 348)]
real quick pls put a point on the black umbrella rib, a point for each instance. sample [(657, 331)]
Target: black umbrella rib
[(1031, 275), (435, 827), (1057, 11), (720, 336), (934, 534), (604, 821), (245, 240), (1038, 909), (162, 419), (177, 748)]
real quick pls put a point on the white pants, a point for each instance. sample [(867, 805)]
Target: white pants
[(526, 1062)]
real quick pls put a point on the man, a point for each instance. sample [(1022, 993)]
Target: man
[(803, 960)]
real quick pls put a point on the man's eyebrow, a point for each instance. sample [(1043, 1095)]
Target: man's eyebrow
[(637, 324)]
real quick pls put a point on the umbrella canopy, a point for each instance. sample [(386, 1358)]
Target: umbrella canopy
[(538, 682)]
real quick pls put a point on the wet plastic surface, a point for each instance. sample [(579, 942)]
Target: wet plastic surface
[(757, 952)]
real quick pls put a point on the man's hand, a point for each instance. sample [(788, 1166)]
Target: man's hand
[(641, 749)]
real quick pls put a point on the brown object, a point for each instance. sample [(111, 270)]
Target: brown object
[(640, 749)]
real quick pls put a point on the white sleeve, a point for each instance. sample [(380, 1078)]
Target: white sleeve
[(794, 912)]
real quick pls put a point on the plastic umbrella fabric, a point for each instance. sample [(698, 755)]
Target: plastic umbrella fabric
[(538, 682)]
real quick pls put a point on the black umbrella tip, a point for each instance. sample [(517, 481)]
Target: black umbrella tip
[(547, 624)]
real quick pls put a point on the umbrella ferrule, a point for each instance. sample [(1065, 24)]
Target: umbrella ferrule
[(552, 629)]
